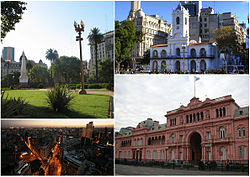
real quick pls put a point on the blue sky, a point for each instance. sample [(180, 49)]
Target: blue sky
[(48, 24), (164, 8)]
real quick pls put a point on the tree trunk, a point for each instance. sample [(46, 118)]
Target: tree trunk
[(96, 63)]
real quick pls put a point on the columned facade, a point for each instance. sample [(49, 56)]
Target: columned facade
[(210, 130)]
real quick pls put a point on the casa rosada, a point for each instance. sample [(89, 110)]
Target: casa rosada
[(210, 130)]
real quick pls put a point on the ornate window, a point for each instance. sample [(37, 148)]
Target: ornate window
[(172, 155), (223, 150), (162, 154), (155, 54), (181, 138), (222, 132), (190, 118), (240, 151), (163, 65), (201, 115), (217, 113), (172, 138), (148, 155), (224, 111), (163, 54), (243, 132), (208, 135), (178, 52), (203, 52), (155, 155), (193, 53), (239, 132), (177, 20), (187, 118)]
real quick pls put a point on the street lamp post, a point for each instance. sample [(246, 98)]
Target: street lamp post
[(183, 47), (7, 63), (79, 28)]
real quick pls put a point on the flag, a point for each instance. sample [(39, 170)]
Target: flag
[(196, 79)]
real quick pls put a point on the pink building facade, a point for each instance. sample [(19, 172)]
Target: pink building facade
[(212, 130)]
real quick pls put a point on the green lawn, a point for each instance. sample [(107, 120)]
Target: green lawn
[(87, 106)]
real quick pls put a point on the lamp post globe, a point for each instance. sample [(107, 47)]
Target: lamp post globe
[(79, 28)]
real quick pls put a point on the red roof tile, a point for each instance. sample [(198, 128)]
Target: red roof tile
[(160, 45)]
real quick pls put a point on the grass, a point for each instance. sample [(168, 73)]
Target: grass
[(87, 106)]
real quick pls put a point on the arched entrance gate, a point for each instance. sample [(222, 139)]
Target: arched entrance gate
[(195, 147)]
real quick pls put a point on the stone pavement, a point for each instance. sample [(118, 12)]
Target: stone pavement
[(139, 170)]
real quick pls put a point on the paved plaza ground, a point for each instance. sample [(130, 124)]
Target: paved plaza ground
[(139, 170)]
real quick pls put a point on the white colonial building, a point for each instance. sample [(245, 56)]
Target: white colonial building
[(182, 54)]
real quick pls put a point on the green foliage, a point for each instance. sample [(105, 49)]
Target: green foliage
[(106, 71), (66, 70), (59, 98), (108, 86), (95, 105), (125, 37), (11, 13), (12, 107), (39, 76), (51, 55), (95, 37), (29, 65), (227, 40), (13, 79)]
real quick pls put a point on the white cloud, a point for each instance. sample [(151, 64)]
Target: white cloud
[(138, 97)]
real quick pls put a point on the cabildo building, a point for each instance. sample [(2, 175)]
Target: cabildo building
[(210, 130)]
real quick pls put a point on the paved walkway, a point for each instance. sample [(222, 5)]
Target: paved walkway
[(138, 170), (93, 91)]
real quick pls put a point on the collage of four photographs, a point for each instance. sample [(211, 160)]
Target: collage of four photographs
[(125, 88)]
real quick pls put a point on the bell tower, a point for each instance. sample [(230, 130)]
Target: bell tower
[(180, 21)]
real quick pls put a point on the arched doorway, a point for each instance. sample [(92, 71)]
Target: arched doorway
[(177, 66), (203, 65), (155, 66), (195, 147), (193, 66)]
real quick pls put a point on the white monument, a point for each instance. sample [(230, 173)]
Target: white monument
[(23, 79)]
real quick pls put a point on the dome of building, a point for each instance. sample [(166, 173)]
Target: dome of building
[(140, 13)]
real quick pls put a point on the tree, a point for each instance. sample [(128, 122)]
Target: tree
[(11, 13), (39, 75), (66, 70), (95, 37), (125, 38), (13, 79), (227, 41), (106, 71), (29, 65), (51, 55)]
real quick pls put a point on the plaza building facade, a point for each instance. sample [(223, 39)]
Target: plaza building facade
[(105, 49), (210, 130), (154, 28), (181, 54)]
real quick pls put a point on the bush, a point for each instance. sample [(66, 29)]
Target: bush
[(12, 107), (40, 85), (108, 86), (59, 98)]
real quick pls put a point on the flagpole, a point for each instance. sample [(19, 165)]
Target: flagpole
[(194, 87)]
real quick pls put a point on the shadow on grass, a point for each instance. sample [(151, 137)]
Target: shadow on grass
[(46, 112)]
